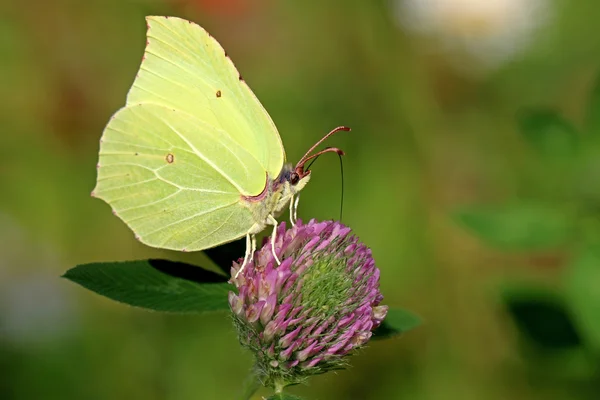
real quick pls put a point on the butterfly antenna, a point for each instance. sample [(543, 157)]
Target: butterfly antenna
[(312, 161), (341, 172), (342, 197), (308, 157)]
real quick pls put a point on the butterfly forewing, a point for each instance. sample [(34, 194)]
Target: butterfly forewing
[(186, 69)]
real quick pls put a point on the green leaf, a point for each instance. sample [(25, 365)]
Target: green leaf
[(518, 226), (541, 315), (593, 110), (158, 285), (283, 396), (582, 290), (548, 133), (397, 321)]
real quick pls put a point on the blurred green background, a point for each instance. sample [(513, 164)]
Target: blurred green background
[(470, 172)]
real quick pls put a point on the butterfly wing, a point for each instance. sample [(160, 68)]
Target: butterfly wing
[(192, 139), (187, 69)]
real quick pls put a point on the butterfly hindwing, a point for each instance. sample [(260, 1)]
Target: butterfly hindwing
[(175, 182)]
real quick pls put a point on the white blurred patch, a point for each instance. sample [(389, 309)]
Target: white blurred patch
[(35, 305), (491, 32)]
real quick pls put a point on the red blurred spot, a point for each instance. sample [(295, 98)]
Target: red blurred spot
[(548, 261), (222, 7)]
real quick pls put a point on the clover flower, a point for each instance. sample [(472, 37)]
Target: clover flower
[(304, 316)]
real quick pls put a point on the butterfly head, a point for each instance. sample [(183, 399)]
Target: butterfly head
[(292, 179)]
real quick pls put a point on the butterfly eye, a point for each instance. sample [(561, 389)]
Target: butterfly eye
[(294, 178)]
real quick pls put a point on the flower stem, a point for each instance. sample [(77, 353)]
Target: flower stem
[(278, 386)]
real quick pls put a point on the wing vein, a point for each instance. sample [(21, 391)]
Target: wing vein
[(204, 212), (211, 233), (151, 203), (128, 185), (204, 158), (163, 179)]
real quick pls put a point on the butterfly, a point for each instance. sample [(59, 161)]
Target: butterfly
[(193, 160)]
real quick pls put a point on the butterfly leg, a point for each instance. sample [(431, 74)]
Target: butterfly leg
[(272, 220), (253, 242), (296, 208), (250, 247), (292, 219)]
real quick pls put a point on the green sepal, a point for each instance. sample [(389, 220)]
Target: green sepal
[(251, 385), (283, 396), (396, 322)]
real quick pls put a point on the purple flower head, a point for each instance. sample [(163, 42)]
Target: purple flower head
[(321, 303)]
